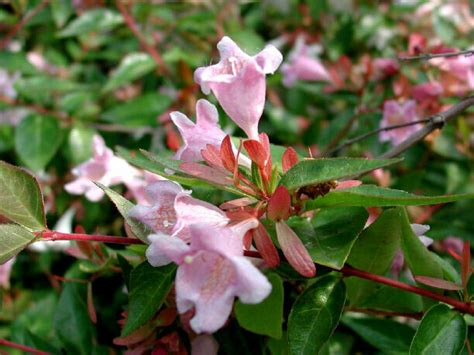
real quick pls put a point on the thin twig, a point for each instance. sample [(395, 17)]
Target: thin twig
[(465, 307), (129, 20), (435, 122), (54, 236), (375, 131), (22, 347), (428, 56), (36, 108), (22, 23), (417, 315)]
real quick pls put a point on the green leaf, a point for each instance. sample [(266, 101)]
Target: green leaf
[(315, 315), (16, 62), (373, 252), (386, 335), (71, 319), (335, 232), (266, 317), (441, 331), (132, 66), (315, 171), (140, 111), (96, 20), (37, 138), (13, 239), (61, 11), (372, 196), (387, 298), (21, 200), (79, 143), (124, 206), (43, 88), (149, 287)]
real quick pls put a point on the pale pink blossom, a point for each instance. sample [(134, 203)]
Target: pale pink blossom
[(137, 186), (104, 167), (453, 243), (238, 82), (211, 272), (461, 67), (160, 213), (384, 67), (5, 271), (399, 260), (395, 113), (197, 135), (303, 65), (427, 91)]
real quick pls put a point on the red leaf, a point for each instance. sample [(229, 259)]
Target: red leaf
[(256, 153), (227, 154), (265, 246), (438, 283), (279, 205), (206, 173), (466, 262), (212, 155), (289, 158)]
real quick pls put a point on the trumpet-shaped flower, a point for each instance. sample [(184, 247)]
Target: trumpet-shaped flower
[(238, 82), (161, 215), (104, 167), (303, 65), (394, 114), (5, 271), (212, 271), (197, 135)]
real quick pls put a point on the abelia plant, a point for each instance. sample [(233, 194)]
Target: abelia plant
[(227, 242)]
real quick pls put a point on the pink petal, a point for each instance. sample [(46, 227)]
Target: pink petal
[(206, 173), (164, 192), (294, 250), (164, 248), (269, 59), (221, 240), (5, 271), (252, 286), (347, 184)]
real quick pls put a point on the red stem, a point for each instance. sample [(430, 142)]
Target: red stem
[(129, 20), (459, 305), (53, 236), (22, 347)]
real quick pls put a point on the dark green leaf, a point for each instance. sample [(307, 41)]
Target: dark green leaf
[(335, 231), (373, 252), (79, 143), (140, 111), (37, 138), (16, 62), (266, 317), (124, 206), (371, 196), (61, 10), (384, 334), (315, 315), (21, 200), (315, 171), (92, 21), (441, 331), (133, 66), (149, 287), (71, 320), (13, 239)]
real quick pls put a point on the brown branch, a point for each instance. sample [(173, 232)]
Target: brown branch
[(132, 25), (22, 347), (428, 56), (36, 108), (22, 23), (435, 122)]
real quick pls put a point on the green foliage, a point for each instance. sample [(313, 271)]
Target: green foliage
[(14, 239), (266, 317), (149, 287), (315, 171), (315, 315), (96, 20), (441, 331)]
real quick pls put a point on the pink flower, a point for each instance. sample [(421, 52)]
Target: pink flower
[(427, 91), (5, 271), (238, 82), (212, 271), (303, 66), (394, 114), (385, 67), (461, 67), (197, 135), (104, 167), (161, 215)]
